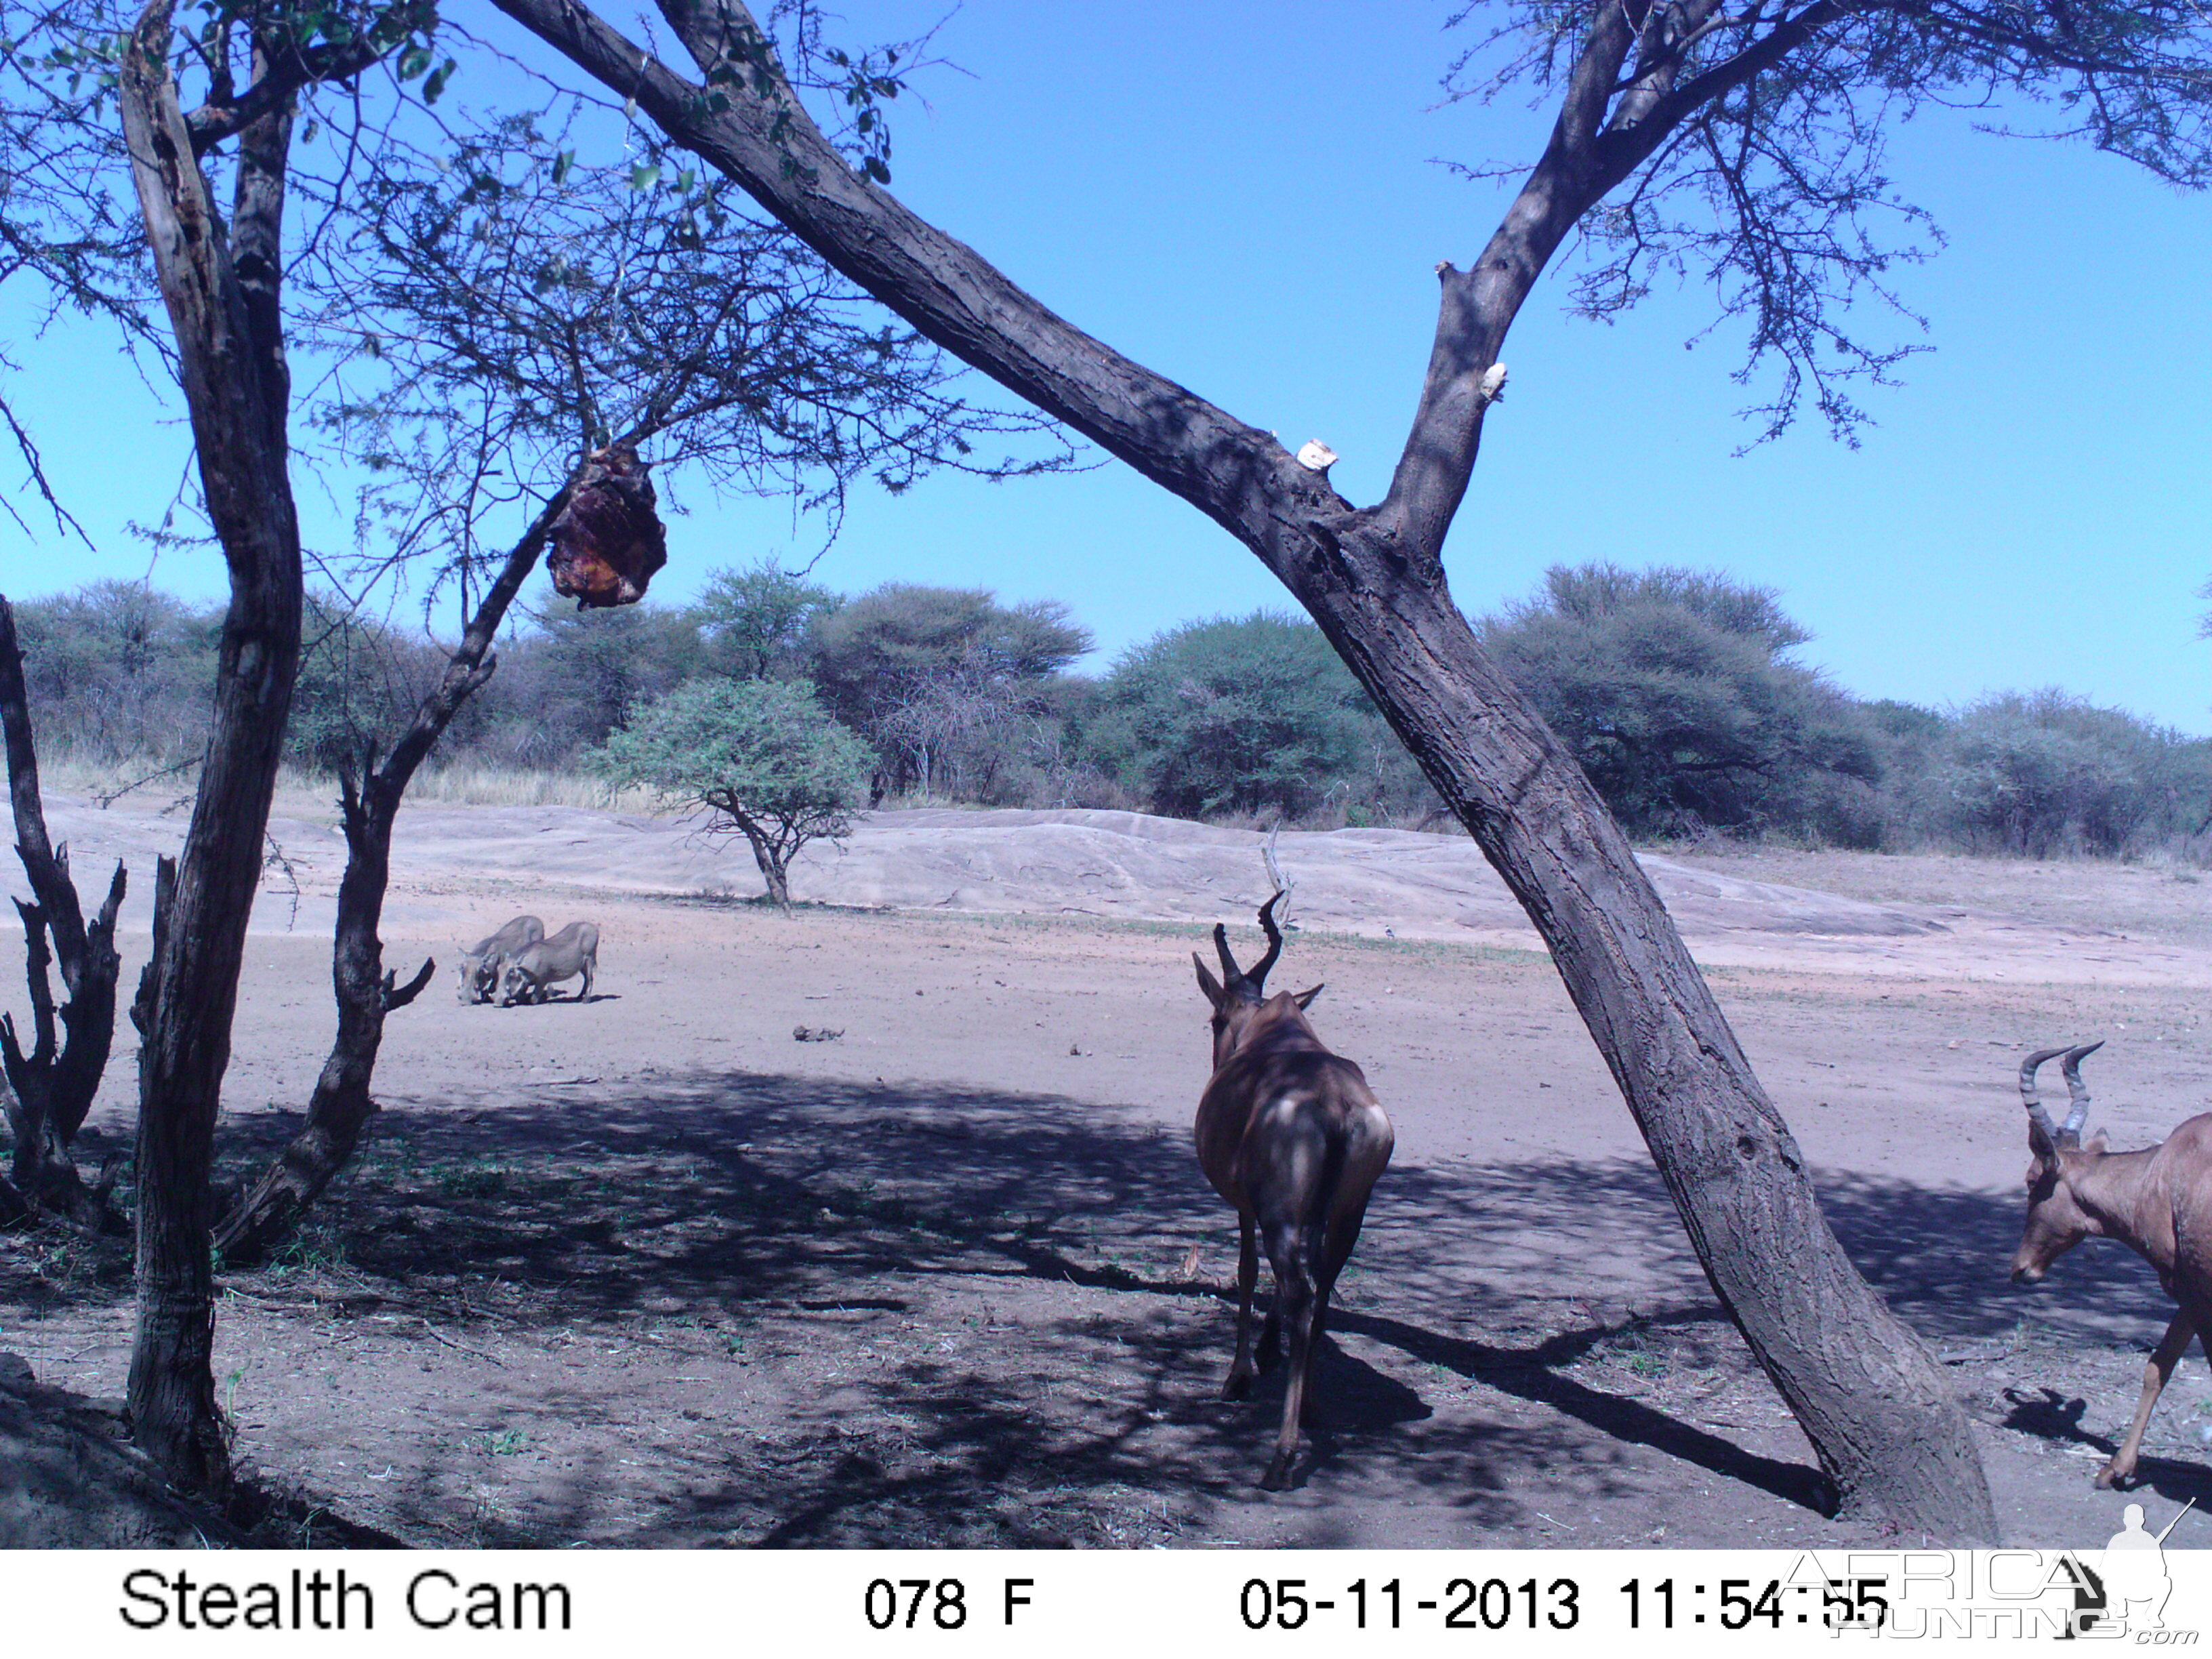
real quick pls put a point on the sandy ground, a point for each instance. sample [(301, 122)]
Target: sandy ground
[(649, 1270)]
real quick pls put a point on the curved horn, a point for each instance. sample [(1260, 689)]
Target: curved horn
[(1228, 963), (2077, 1091), (1259, 974), (2036, 1113)]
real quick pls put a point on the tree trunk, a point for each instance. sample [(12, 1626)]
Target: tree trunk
[(1880, 1416), (220, 291), (339, 1110), (1878, 1410), (50, 1088), (771, 868), (340, 1106)]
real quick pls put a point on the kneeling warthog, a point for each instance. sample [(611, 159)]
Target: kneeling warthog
[(532, 971), (482, 963)]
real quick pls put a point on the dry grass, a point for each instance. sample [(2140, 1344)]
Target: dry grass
[(313, 795), (467, 784)]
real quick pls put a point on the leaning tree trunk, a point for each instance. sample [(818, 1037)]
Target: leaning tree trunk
[(769, 853), (1879, 1411), (339, 1110), (221, 288), (779, 878), (50, 1088)]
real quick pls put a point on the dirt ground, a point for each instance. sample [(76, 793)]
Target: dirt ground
[(654, 1269)]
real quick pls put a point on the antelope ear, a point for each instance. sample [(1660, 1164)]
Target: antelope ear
[(2099, 1142), (1306, 997), (2039, 1143), (1207, 982)]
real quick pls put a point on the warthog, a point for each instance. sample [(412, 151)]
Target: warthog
[(532, 971), (481, 963)]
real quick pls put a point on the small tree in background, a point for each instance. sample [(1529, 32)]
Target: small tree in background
[(939, 679), (756, 621), (764, 758)]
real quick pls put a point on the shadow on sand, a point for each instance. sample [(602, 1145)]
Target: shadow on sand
[(747, 1197)]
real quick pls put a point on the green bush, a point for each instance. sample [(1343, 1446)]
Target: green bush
[(1241, 716), (2043, 773), (756, 622), (1675, 690), (763, 756), (117, 671), (945, 682)]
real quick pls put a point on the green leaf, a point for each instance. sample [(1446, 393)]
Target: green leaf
[(414, 61), (644, 178), (563, 162), (436, 83)]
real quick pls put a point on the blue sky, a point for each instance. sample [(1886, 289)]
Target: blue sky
[(1244, 199)]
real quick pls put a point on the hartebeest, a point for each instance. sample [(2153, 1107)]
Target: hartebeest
[(1290, 1134), (2158, 1200)]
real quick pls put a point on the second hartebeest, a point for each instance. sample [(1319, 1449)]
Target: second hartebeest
[(2158, 1202), (1291, 1135)]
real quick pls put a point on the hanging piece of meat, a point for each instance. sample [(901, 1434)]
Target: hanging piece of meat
[(608, 541)]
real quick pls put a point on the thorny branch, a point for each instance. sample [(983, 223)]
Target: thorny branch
[(1750, 143)]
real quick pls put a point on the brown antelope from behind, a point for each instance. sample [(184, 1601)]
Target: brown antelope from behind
[(2158, 1200), (1290, 1134)]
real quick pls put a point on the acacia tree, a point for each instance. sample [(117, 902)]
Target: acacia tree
[(756, 621), (766, 759), (524, 311), (1749, 139), (936, 677), (222, 277)]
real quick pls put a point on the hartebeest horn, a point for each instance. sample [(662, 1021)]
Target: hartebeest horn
[(1232, 976), (1259, 974), (2036, 1112), (1250, 982), (2077, 1091)]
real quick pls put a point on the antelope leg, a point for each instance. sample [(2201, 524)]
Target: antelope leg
[(1248, 1275), (1287, 1251), (2162, 1361)]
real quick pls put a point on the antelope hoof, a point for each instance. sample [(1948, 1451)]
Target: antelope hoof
[(1238, 1385), (2112, 1478), (1279, 1473)]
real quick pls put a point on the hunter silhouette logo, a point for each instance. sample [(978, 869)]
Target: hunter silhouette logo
[(2135, 1578), (2117, 1593), (2126, 1594)]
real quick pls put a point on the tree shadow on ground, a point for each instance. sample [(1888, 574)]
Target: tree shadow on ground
[(792, 1212)]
